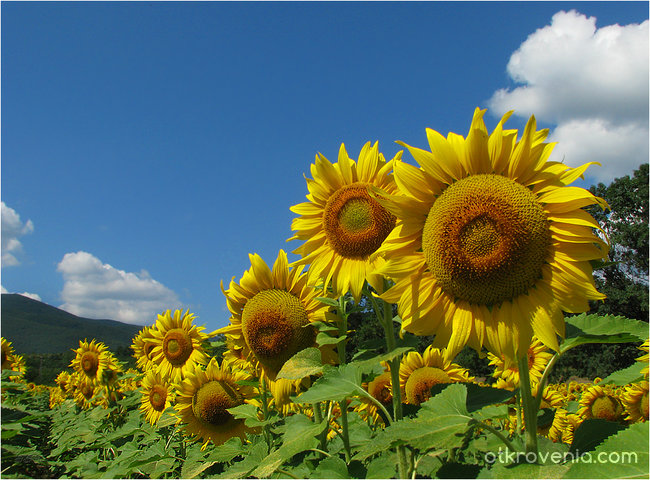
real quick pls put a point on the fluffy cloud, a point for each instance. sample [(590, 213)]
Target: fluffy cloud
[(12, 230), (98, 290), (590, 82)]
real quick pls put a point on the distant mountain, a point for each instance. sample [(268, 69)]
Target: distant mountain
[(36, 327)]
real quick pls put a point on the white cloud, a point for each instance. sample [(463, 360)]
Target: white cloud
[(12, 230), (33, 296), (590, 82), (98, 290)]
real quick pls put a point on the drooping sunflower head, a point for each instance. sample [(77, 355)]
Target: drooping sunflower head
[(491, 244), (418, 373), (143, 345), (272, 313), (86, 393), (91, 360), (204, 398), (343, 225), (157, 395), (635, 401), (600, 402), (178, 344)]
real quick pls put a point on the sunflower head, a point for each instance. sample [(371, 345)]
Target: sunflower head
[(343, 225), (418, 373), (178, 344), (272, 314), (143, 345), (635, 401), (91, 360), (490, 244), (157, 396), (204, 398), (599, 402), (7, 354)]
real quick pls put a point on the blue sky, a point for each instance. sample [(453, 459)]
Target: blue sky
[(148, 147)]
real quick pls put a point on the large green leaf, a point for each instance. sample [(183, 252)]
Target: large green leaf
[(441, 422), (335, 384), (624, 376), (624, 455), (331, 467), (253, 457), (300, 435), (592, 328), (303, 364), (591, 433)]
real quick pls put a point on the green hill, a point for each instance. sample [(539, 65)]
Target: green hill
[(35, 327)]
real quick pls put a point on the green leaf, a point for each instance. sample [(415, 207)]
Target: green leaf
[(592, 328), (227, 451), (384, 466), (248, 412), (195, 463), (303, 364), (299, 436), (624, 455), (328, 301), (479, 397), (624, 376), (591, 433), (331, 467), (253, 457), (441, 423), (523, 470), (324, 339), (335, 384)]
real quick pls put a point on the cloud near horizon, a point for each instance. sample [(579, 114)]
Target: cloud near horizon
[(33, 296), (592, 83), (97, 290), (12, 229)]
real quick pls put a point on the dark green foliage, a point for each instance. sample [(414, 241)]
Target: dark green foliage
[(35, 327)]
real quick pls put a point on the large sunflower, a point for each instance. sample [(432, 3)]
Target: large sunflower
[(600, 402), (178, 344), (272, 311), (635, 401), (204, 398), (157, 396), (342, 225), (91, 360), (491, 245), (418, 373)]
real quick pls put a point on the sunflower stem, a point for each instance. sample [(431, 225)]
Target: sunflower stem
[(518, 412), (318, 415), (343, 405), (265, 412), (530, 412), (542, 381), (387, 323)]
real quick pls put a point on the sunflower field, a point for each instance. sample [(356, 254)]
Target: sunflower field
[(484, 244)]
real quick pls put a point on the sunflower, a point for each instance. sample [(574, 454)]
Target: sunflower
[(342, 225), (635, 401), (63, 380), (143, 345), (87, 394), (7, 353), (381, 390), (538, 358), (157, 396), (205, 396), (272, 312), (491, 245), (418, 373), (178, 344), (600, 402), (91, 360)]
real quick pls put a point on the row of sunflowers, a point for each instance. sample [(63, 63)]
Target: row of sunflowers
[(483, 244)]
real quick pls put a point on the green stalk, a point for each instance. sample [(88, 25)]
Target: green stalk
[(542, 381), (530, 412), (387, 323), (318, 415), (343, 405), (518, 412), (265, 411)]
